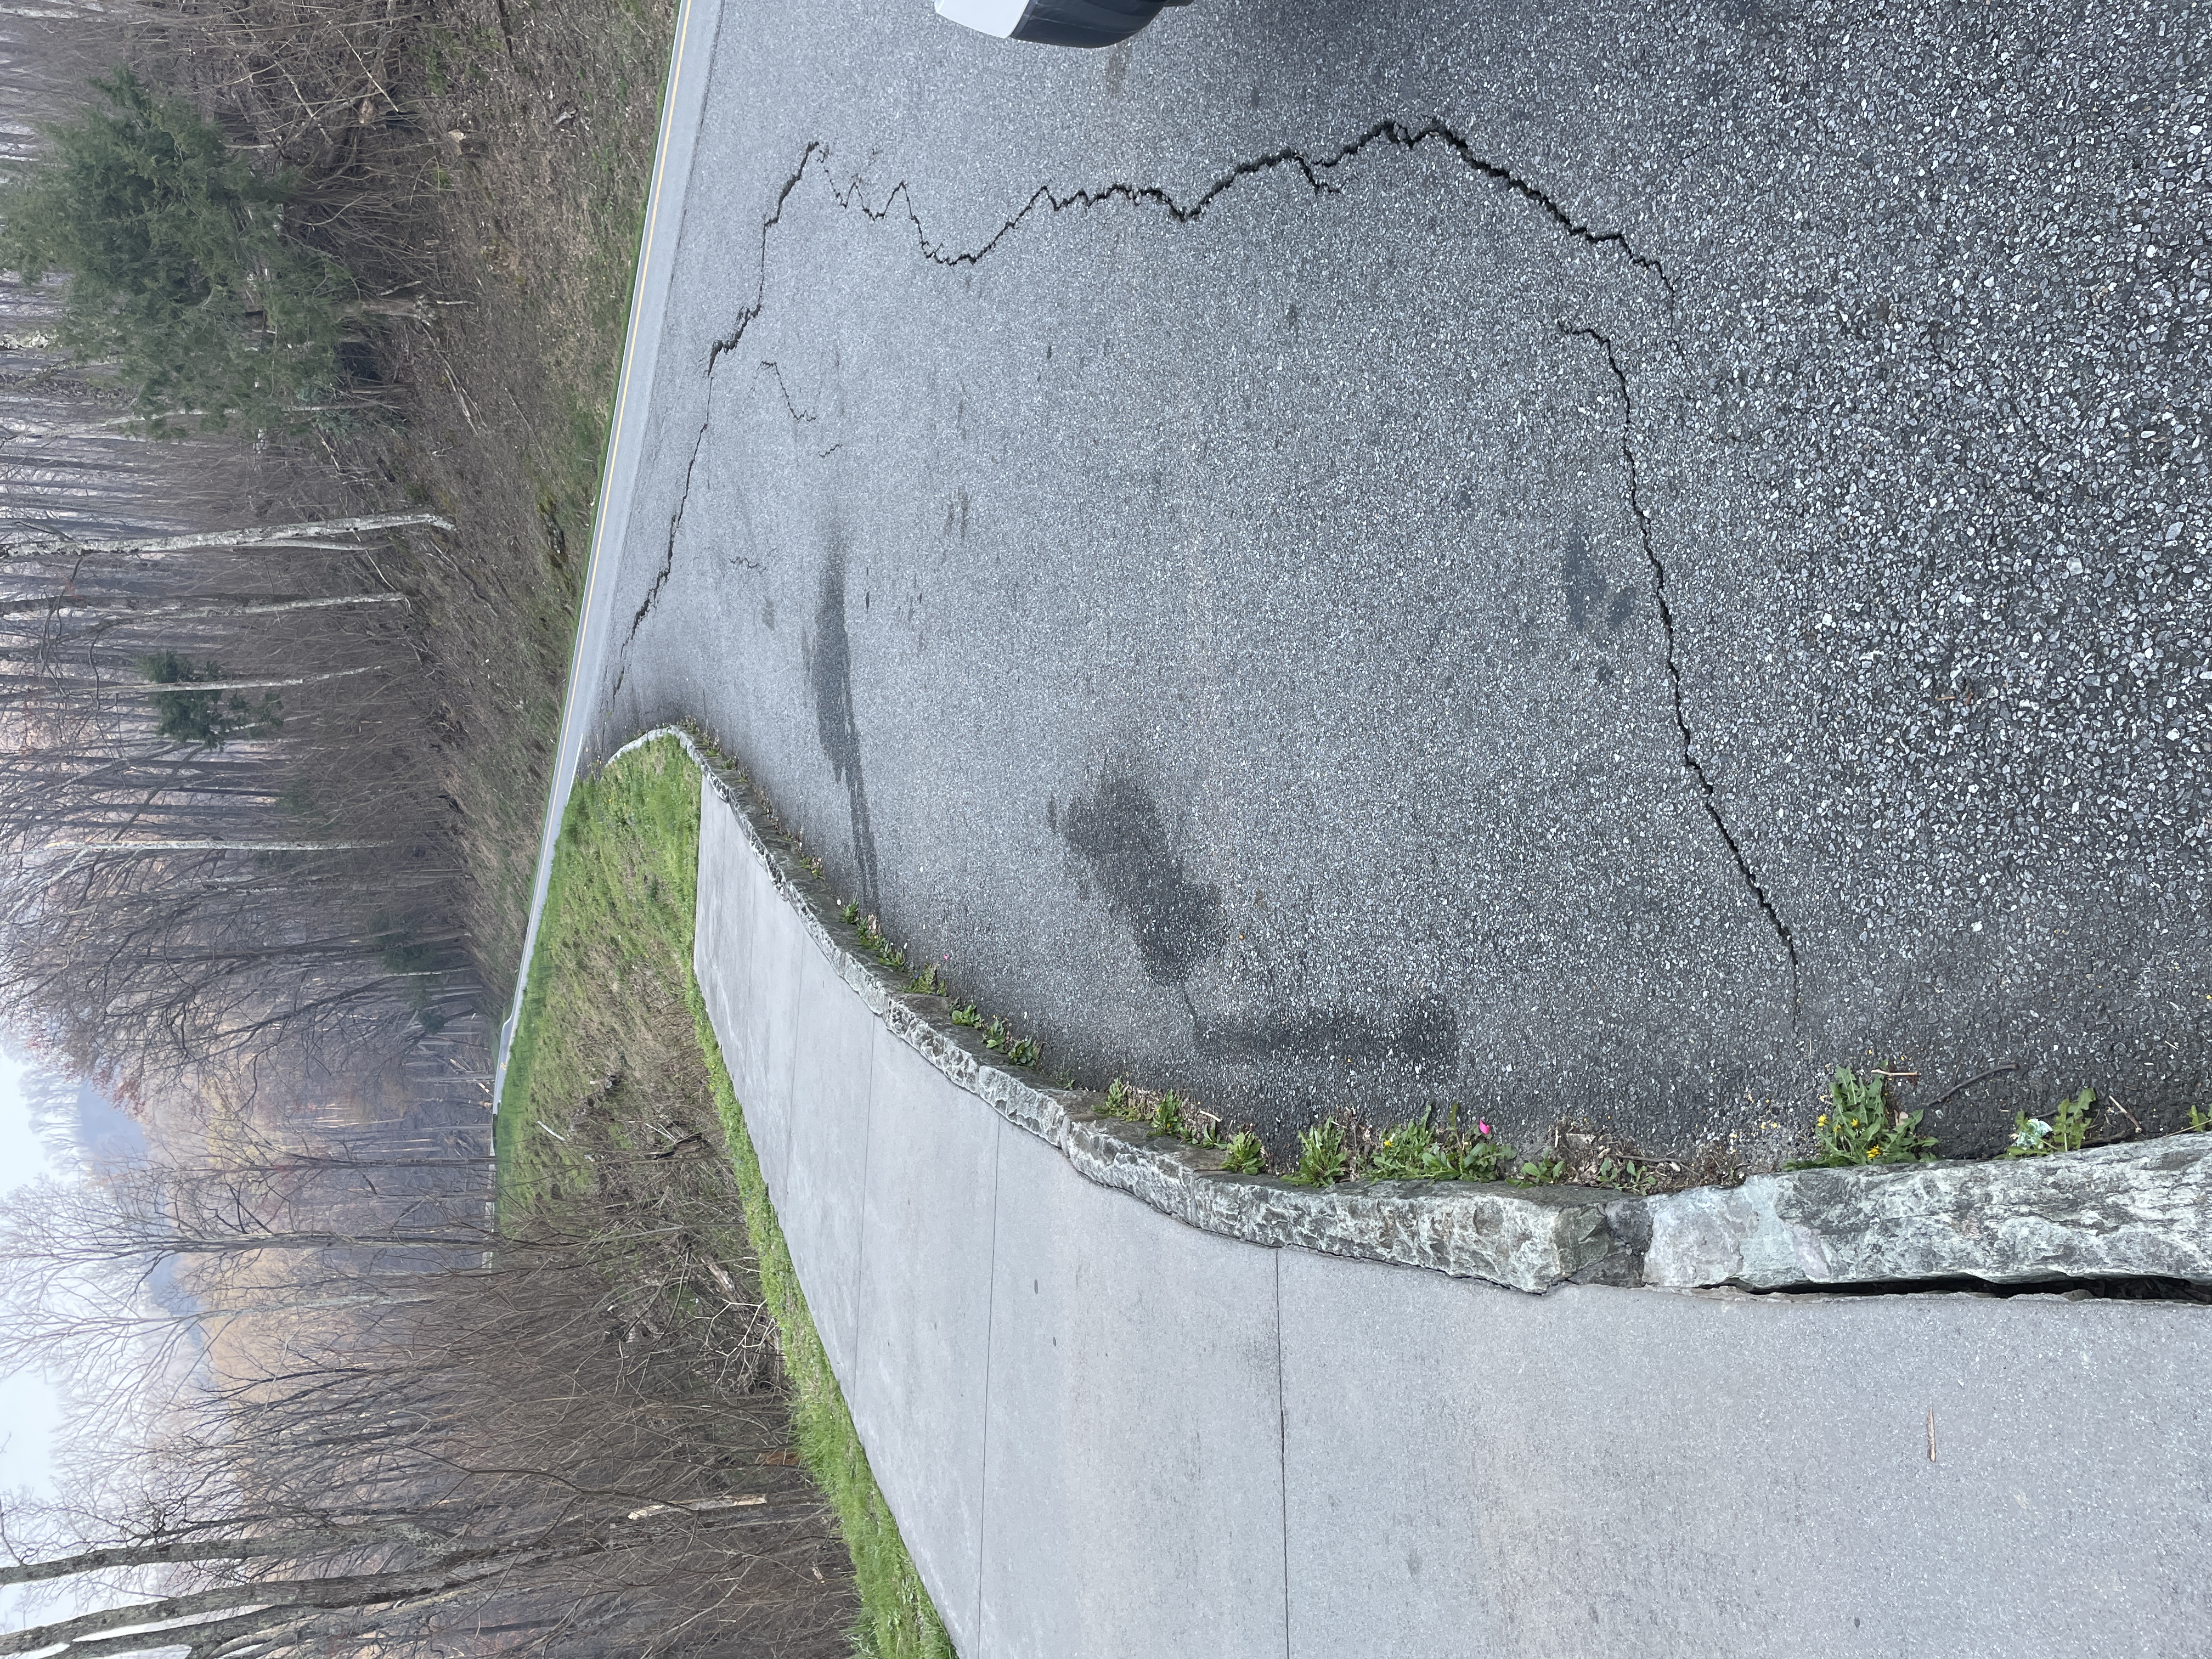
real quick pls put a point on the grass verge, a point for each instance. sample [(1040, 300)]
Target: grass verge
[(614, 1048)]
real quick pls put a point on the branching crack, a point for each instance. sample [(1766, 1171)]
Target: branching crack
[(1390, 133), (747, 317), (667, 557), (1315, 170), (1707, 794)]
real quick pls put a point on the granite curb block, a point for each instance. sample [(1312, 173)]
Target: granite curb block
[(2115, 1212), (2111, 1212)]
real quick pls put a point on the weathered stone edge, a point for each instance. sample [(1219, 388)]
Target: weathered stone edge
[(2134, 1210), (2110, 1211)]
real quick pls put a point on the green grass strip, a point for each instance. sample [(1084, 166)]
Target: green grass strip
[(897, 1618), (614, 942)]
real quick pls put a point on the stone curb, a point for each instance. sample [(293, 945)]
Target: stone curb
[(2112, 1212)]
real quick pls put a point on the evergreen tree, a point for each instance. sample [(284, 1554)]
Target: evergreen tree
[(201, 717), (179, 271)]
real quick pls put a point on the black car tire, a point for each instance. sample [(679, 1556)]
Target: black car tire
[(1083, 22), (1056, 22)]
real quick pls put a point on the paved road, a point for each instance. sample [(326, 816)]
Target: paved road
[(1107, 1434), (1592, 558)]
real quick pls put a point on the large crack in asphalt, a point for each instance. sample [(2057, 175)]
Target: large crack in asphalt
[(667, 562), (1390, 133), (1314, 169), (1708, 796)]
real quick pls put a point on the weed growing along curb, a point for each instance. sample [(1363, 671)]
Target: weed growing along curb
[(869, 930), (1166, 1112), (1542, 1172), (1863, 1126), (998, 1037), (1322, 1161), (1245, 1154), (1628, 1175), (1340, 1150), (1418, 1151), (2070, 1126), (619, 913)]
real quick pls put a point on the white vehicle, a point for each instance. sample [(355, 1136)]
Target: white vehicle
[(1056, 22)]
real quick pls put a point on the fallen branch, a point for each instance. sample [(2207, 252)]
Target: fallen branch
[(267, 535)]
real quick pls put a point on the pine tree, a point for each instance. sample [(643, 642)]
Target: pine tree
[(180, 271), (201, 717)]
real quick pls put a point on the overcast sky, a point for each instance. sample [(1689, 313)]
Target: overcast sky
[(29, 1413)]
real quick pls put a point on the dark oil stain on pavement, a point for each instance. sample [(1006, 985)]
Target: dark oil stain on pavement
[(1424, 1034), (1118, 831), (829, 672), (1586, 588)]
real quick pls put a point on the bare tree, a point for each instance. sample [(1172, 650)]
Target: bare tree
[(146, 927), (536, 1440)]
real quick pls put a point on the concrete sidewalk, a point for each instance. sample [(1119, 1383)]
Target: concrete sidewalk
[(1104, 1432)]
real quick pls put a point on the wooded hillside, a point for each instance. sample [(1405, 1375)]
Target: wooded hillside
[(282, 657), (272, 799)]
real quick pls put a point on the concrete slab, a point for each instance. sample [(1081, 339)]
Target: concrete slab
[(924, 1318), (724, 921), (1601, 1471), (824, 1182), (774, 955), (1132, 1500), (745, 955)]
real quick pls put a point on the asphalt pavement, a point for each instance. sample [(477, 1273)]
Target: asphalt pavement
[(1590, 559)]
